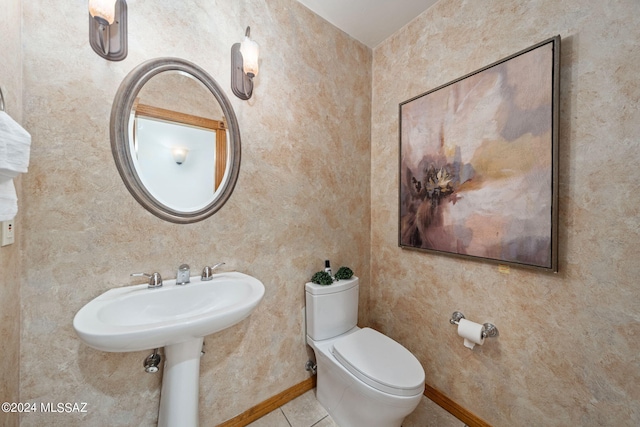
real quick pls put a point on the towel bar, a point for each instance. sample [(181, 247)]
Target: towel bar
[(1, 100)]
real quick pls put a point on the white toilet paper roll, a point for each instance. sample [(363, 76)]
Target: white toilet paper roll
[(471, 332)]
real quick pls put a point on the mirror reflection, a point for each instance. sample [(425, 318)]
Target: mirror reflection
[(179, 141)]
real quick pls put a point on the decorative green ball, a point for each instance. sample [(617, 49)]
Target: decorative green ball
[(322, 278), (344, 273)]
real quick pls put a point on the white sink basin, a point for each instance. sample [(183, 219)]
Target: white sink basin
[(135, 318)]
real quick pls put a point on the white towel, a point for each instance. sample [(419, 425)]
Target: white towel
[(8, 199), (15, 143)]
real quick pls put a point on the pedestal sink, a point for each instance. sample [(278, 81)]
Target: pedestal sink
[(177, 317)]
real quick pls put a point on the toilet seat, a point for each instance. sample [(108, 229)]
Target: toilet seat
[(380, 362)]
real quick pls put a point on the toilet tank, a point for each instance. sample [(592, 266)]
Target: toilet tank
[(331, 310)]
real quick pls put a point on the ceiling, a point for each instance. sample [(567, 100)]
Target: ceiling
[(368, 21)]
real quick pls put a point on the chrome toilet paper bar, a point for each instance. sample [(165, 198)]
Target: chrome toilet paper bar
[(488, 330)]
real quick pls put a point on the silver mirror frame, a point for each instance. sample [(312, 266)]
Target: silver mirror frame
[(120, 116)]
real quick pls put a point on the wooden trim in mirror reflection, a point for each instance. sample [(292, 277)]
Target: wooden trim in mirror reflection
[(218, 126), (175, 116), (221, 156)]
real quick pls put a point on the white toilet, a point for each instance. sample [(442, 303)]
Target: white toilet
[(364, 377)]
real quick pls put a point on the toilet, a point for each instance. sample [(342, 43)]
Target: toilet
[(364, 377)]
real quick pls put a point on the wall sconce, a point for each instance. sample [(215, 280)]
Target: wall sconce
[(108, 28), (244, 66), (179, 154)]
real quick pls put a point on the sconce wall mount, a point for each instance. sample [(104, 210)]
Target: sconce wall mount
[(108, 28), (244, 66)]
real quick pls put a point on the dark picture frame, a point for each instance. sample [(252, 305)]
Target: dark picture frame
[(479, 163)]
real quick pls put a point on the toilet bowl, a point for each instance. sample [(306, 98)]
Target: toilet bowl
[(364, 377)]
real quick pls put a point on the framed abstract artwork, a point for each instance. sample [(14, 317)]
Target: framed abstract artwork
[(479, 163)]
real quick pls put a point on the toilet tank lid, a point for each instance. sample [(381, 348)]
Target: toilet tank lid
[(381, 362), (337, 286)]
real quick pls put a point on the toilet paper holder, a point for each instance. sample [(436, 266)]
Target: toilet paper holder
[(488, 329)]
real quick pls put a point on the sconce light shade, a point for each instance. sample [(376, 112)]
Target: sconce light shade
[(250, 52), (179, 154), (108, 28), (103, 10), (244, 66)]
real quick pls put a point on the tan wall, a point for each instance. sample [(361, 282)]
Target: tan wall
[(567, 354), (568, 347), (11, 84), (302, 196)]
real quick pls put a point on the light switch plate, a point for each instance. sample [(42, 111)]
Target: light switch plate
[(8, 233)]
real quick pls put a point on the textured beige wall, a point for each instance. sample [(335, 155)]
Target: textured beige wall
[(302, 196), (11, 84), (567, 354), (568, 347)]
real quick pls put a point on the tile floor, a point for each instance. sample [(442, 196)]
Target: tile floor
[(303, 411), (306, 411)]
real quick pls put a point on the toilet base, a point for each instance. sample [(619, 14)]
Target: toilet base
[(352, 409)]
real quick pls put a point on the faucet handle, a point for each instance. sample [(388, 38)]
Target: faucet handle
[(207, 272), (155, 280)]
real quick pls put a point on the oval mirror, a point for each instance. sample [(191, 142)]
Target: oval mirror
[(175, 140)]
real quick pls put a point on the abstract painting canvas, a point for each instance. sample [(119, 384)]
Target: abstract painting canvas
[(478, 163)]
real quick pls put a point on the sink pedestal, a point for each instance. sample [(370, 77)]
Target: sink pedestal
[(180, 384)]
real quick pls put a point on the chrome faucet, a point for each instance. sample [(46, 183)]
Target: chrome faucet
[(207, 272), (184, 272), (155, 280)]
